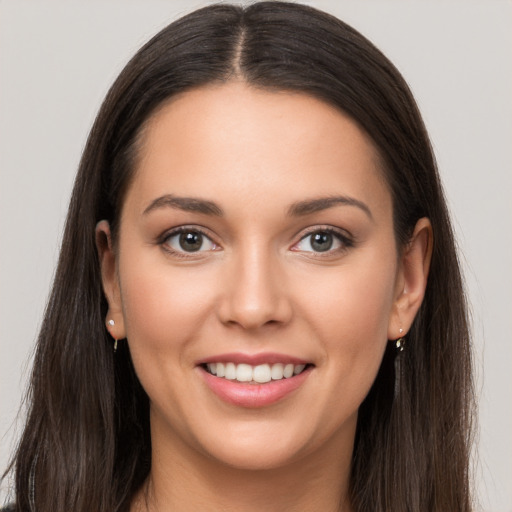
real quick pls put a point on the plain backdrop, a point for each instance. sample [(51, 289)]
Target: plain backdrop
[(57, 60)]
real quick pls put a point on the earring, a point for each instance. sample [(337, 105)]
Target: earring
[(399, 346), (111, 323), (400, 342)]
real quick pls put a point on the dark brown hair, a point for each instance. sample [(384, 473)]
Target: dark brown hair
[(86, 444)]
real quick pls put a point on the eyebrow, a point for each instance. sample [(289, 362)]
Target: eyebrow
[(298, 209), (323, 203), (187, 204)]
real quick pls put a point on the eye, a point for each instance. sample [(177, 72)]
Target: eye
[(322, 241), (189, 241)]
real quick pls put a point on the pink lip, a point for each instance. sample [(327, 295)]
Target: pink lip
[(253, 395), (253, 359)]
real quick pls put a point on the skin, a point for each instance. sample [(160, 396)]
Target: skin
[(258, 286)]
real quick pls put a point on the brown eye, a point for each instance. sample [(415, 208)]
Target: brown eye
[(189, 241)]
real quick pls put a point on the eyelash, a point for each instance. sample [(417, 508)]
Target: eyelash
[(163, 240), (346, 241)]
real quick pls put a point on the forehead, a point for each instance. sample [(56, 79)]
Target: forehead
[(232, 141)]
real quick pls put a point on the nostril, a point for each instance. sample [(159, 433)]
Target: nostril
[(253, 293), (255, 314)]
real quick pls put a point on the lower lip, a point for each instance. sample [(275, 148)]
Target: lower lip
[(253, 395)]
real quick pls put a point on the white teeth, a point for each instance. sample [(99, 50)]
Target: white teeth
[(221, 370), (277, 371), (261, 373), (298, 369), (288, 371), (230, 371), (244, 373)]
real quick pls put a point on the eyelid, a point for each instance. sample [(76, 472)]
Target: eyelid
[(343, 236), (164, 237)]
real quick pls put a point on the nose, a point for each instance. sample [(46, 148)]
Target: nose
[(254, 291)]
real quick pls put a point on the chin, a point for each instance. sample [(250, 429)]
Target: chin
[(257, 456), (265, 445)]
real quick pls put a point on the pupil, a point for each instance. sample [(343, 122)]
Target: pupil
[(321, 241), (191, 241)]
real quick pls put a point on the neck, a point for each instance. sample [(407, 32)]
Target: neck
[(185, 480)]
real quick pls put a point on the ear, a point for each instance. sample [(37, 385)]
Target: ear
[(411, 279), (109, 278)]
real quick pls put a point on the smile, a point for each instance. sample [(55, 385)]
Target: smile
[(253, 381), (259, 374)]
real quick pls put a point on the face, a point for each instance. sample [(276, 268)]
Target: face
[(256, 275)]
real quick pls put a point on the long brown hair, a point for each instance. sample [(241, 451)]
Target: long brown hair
[(86, 444)]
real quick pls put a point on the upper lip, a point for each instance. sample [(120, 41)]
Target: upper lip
[(253, 359)]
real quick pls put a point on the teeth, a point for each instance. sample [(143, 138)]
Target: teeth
[(277, 371), (288, 371), (298, 369), (230, 371), (243, 373), (260, 374)]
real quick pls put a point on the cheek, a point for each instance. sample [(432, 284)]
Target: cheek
[(162, 307), (353, 302), (350, 311), (164, 311)]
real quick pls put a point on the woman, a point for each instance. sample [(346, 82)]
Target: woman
[(258, 303)]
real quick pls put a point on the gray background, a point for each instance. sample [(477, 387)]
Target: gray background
[(58, 59)]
